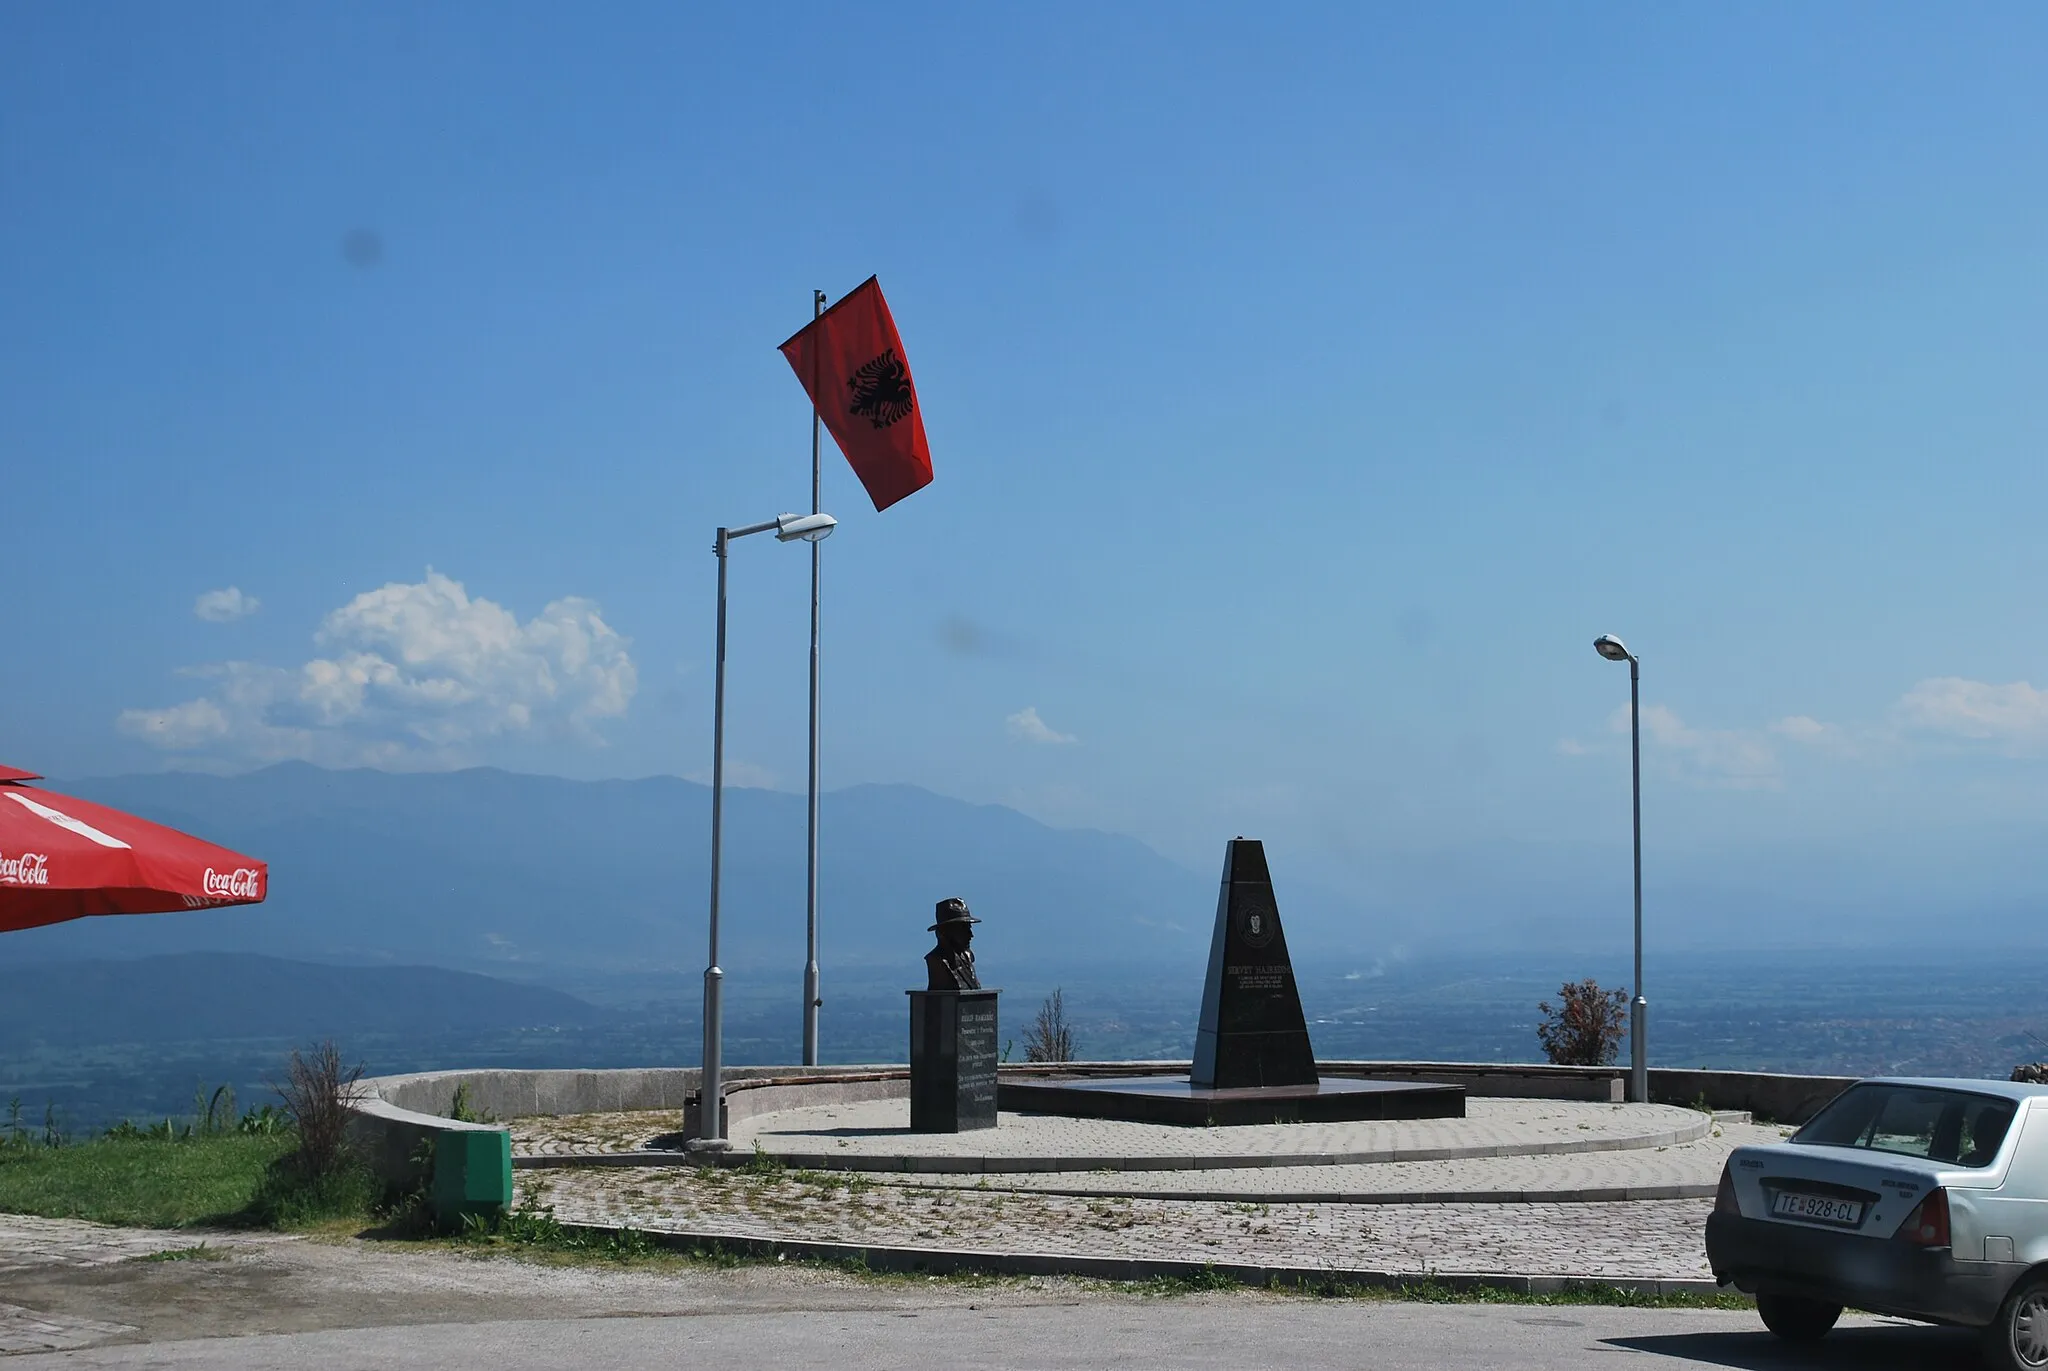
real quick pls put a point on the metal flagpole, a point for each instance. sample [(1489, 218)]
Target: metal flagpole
[(812, 999)]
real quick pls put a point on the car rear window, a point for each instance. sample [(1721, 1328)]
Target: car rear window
[(1952, 1126)]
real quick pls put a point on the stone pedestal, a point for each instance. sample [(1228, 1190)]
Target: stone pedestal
[(952, 1060)]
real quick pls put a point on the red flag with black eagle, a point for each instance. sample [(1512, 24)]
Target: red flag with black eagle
[(851, 361)]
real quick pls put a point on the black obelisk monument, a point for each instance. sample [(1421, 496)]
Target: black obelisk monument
[(1252, 1030), (1253, 1062)]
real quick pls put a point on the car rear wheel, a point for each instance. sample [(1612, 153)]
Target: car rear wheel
[(2018, 1339), (1797, 1320)]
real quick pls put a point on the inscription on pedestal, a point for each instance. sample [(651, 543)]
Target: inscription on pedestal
[(952, 1060)]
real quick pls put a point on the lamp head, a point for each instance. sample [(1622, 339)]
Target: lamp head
[(1609, 646), (811, 528)]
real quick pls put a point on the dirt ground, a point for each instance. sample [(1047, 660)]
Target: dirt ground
[(266, 1284)]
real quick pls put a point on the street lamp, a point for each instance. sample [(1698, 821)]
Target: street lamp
[(1610, 647), (788, 528)]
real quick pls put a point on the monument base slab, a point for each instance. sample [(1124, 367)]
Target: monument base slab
[(1177, 1100)]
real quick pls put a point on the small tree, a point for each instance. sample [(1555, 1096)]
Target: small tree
[(318, 1091), (1584, 1028), (1050, 1037)]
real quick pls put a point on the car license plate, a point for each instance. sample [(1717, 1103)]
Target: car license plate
[(1790, 1204)]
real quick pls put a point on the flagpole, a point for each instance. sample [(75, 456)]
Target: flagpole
[(812, 999)]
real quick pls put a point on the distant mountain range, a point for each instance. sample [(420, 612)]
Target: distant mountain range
[(525, 875), (199, 996)]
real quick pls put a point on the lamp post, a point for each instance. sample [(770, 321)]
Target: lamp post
[(809, 528), (1610, 647), (813, 1000)]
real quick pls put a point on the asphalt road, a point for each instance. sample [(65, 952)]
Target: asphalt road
[(80, 1296), (1219, 1332)]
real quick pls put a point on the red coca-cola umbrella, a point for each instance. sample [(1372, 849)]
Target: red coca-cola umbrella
[(63, 858)]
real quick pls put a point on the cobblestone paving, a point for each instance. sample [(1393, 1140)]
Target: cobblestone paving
[(26, 1330), (28, 1242), (1490, 1127), (1636, 1171), (1659, 1240), (879, 1129), (566, 1135)]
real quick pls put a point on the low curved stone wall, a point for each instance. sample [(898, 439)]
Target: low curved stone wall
[(507, 1094), (466, 1168), (402, 1129), (400, 1115)]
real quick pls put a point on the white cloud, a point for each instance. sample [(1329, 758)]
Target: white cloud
[(1802, 729), (1855, 743), (2013, 715), (1729, 757), (225, 606), (413, 674), (1571, 747), (194, 724), (1026, 724)]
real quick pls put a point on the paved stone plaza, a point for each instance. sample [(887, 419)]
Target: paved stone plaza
[(877, 1132), (878, 1128), (1523, 1187), (1656, 1240), (33, 1242)]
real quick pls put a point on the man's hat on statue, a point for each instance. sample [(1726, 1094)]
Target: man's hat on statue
[(953, 911)]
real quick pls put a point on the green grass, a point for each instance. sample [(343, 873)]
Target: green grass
[(286, 1201), (1431, 1291), (140, 1181), (222, 1181), (216, 1180), (201, 1253)]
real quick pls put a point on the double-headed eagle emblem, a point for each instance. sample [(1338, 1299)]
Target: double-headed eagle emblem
[(881, 390)]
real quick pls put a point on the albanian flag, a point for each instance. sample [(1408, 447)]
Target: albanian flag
[(851, 361)]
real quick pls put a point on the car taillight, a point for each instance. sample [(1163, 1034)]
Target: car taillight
[(1724, 1194), (1927, 1225)]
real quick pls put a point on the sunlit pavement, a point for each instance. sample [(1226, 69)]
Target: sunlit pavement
[(80, 1295), (1221, 1332)]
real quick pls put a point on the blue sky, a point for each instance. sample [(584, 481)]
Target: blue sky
[(1306, 390)]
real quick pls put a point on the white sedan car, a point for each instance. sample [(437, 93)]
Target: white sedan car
[(1926, 1199)]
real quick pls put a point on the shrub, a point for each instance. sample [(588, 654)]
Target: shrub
[(1584, 1028), (266, 1121), (317, 1093), (1050, 1037), (290, 1197)]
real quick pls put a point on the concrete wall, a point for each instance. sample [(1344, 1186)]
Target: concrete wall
[(751, 1098), (1770, 1097), (400, 1122), (400, 1112), (1598, 1083), (521, 1094), (459, 1162)]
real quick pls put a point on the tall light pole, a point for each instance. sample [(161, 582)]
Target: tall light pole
[(1610, 647), (813, 999), (808, 528)]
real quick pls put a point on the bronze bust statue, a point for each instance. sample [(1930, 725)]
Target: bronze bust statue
[(951, 964)]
